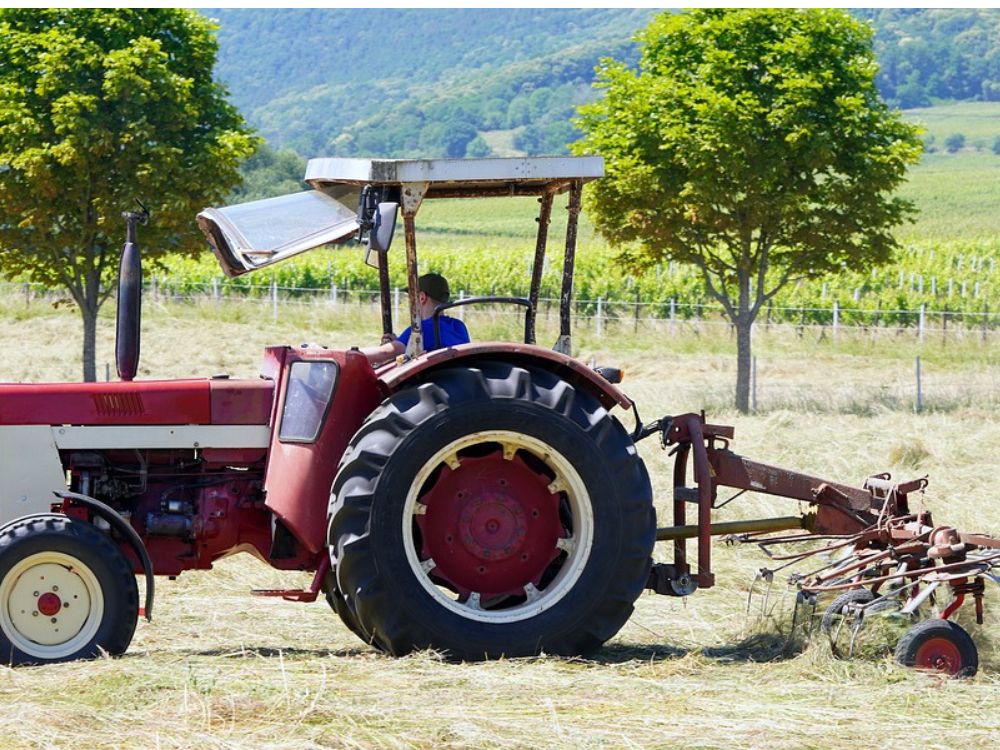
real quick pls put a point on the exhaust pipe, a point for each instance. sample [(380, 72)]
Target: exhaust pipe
[(129, 298)]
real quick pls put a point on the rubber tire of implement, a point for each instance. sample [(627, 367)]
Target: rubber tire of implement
[(836, 608), (366, 524), (958, 642), (96, 552)]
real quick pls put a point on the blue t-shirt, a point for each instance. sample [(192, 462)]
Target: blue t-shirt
[(453, 332)]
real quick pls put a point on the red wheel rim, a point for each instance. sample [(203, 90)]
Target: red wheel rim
[(491, 526), (940, 655)]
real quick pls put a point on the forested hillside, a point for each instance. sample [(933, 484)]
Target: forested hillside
[(470, 82), (936, 53), (420, 82)]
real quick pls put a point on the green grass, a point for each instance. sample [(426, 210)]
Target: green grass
[(979, 122), (958, 196)]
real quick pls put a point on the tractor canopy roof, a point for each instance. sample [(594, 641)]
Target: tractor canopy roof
[(345, 192)]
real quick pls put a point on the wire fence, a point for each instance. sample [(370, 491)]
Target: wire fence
[(779, 380), (922, 323)]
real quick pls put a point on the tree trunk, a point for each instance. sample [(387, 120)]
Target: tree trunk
[(89, 306), (89, 343), (744, 358), (744, 323)]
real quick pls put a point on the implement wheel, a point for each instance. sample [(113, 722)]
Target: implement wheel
[(840, 608), (491, 512), (939, 646), (66, 592)]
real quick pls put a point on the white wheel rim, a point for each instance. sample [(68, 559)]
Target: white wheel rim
[(578, 552), (51, 605)]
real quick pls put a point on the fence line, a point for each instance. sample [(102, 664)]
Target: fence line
[(598, 312)]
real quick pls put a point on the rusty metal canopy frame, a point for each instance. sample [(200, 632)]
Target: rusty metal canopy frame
[(423, 179)]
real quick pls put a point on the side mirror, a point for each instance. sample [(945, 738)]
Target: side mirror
[(383, 227), (380, 235)]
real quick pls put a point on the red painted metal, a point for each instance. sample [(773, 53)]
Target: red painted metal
[(299, 595), (49, 604), (940, 655), (841, 509), (299, 474), (706, 496), (953, 606), (571, 370), (229, 518), (241, 401), (148, 402), (491, 526)]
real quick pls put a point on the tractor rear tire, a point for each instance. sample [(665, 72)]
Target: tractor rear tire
[(336, 601), (493, 511), (66, 592)]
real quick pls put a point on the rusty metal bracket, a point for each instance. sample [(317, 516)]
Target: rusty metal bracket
[(413, 195)]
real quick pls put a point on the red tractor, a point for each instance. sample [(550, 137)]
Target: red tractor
[(479, 499), (483, 499)]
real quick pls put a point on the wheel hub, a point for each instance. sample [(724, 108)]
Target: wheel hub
[(48, 602), (493, 528), (940, 655), (491, 525)]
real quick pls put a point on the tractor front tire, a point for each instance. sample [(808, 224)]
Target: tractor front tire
[(66, 592), (493, 511)]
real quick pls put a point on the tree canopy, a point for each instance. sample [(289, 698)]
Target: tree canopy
[(98, 108), (753, 144)]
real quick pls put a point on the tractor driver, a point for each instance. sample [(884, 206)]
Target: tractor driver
[(432, 291)]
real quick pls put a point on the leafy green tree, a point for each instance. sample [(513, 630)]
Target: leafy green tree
[(478, 148), (97, 108), (754, 145), (954, 143), (268, 173)]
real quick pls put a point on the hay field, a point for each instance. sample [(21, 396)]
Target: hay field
[(218, 668)]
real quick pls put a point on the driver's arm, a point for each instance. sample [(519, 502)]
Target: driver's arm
[(381, 354)]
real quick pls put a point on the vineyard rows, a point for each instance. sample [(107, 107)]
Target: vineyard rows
[(953, 280), (954, 283)]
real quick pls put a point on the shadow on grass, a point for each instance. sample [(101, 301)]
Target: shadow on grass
[(760, 647), (263, 652)]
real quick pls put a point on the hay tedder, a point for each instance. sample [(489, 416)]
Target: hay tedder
[(480, 499)]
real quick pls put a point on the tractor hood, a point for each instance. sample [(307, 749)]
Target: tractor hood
[(248, 236)]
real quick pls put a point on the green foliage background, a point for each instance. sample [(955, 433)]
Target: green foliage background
[(426, 82)]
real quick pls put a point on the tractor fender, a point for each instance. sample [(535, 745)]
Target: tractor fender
[(576, 373), (124, 528)]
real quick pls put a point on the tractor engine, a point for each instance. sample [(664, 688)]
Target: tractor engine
[(190, 507)]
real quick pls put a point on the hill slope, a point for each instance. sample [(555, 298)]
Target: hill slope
[(305, 77), (463, 82)]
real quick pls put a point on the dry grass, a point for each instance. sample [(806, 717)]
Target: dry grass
[(218, 668)]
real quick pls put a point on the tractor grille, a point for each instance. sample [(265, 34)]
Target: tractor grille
[(118, 404)]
